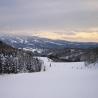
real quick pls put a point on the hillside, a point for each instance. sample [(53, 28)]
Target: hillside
[(13, 60), (5, 48), (61, 80)]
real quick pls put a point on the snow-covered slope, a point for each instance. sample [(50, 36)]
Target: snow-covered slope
[(61, 80)]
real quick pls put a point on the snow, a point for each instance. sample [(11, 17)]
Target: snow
[(21, 40), (13, 41), (61, 80), (33, 49), (25, 41), (54, 43)]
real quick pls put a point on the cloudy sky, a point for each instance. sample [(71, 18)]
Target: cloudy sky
[(75, 20)]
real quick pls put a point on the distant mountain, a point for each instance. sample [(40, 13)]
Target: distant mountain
[(57, 50), (33, 42)]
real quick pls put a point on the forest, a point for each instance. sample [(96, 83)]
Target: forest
[(14, 60)]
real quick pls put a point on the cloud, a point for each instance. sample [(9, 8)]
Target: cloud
[(59, 16), (77, 36)]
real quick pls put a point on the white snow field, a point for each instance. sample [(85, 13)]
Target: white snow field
[(61, 80)]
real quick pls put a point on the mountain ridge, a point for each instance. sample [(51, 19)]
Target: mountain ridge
[(38, 42)]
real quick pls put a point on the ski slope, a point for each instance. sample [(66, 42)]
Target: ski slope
[(61, 80)]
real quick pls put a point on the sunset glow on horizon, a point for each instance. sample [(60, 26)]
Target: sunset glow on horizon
[(80, 36), (72, 20), (76, 36)]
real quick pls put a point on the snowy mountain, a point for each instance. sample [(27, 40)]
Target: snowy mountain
[(57, 50), (33, 42)]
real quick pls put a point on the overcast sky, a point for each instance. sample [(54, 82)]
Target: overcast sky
[(66, 17)]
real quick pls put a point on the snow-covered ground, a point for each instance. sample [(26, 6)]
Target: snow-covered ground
[(61, 80)]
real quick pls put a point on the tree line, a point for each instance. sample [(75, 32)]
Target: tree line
[(91, 56), (14, 60)]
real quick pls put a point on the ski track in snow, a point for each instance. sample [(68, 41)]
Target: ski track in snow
[(61, 80)]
